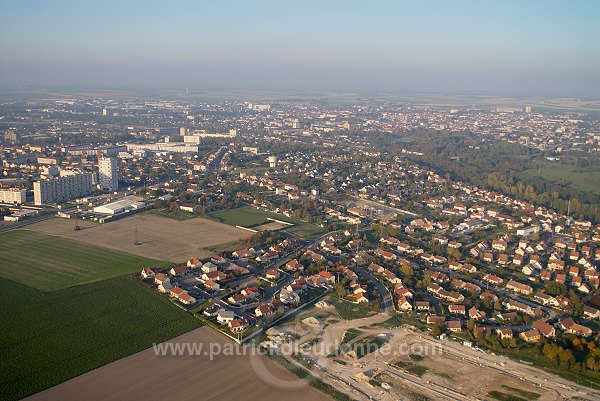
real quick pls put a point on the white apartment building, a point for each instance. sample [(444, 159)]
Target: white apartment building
[(168, 147), (196, 136), (12, 195), (108, 173), (61, 189)]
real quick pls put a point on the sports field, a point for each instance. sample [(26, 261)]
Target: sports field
[(246, 216), (49, 263), (249, 216), (50, 337)]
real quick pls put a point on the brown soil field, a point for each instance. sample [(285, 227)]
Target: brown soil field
[(272, 226), (149, 377), (161, 238)]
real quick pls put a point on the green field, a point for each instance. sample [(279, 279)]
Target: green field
[(246, 216), (249, 216), (50, 337), (176, 215), (586, 179), (49, 263)]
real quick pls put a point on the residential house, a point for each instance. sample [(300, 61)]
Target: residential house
[(209, 267), (457, 309), (327, 277), (454, 326), (404, 304), (263, 310), (505, 333), (519, 287), (242, 254), (148, 273), (192, 263), (211, 285), (186, 299), (178, 270), (161, 278), (238, 325), (545, 329), (272, 274), (224, 316), (530, 336), (293, 265), (569, 326)]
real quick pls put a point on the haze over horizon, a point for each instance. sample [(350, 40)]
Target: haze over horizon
[(537, 47)]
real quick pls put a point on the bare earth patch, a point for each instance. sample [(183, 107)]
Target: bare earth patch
[(146, 376), (271, 226), (159, 237)]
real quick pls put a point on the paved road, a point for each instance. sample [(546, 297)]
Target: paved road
[(387, 303), (434, 301)]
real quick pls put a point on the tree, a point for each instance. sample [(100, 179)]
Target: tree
[(436, 330), (555, 288), (407, 271), (592, 361), (454, 253), (470, 325), (550, 350), (565, 356)]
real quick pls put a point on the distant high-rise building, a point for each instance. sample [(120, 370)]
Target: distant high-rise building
[(61, 189), (527, 109), (108, 173), (350, 126), (13, 195), (508, 109), (272, 161), (11, 136), (104, 112), (259, 107)]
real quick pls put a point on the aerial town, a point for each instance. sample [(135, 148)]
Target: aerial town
[(303, 221), (300, 200)]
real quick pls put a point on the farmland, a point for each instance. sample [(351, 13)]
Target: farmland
[(249, 216), (49, 263), (158, 237), (50, 337), (151, 377)]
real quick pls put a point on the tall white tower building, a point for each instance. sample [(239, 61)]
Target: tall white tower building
[(108, 173)]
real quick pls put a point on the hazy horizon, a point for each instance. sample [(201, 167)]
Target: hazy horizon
[(546, 48)]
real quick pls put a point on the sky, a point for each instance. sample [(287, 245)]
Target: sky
[(512, 47)]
